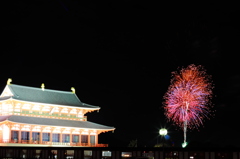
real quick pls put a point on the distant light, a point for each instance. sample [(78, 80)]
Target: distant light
[(43, 86), (167, 137), (73, 90), (9, 81), (163, 132), (184, 144)]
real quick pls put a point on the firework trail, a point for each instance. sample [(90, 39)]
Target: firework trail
[(187, 101)]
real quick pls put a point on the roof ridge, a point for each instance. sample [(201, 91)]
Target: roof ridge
[(45, 89)]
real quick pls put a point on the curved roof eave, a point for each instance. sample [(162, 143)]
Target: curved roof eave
[(110, 129), (5, 98), (57, 122)]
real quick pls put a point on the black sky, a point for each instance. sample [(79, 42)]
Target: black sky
[(120, 55)]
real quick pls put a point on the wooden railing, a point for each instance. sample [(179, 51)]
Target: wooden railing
[(53, 143), (55, 116)]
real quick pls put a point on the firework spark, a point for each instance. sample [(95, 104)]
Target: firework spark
[(187, 101)]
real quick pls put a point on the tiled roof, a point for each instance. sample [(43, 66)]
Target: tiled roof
[(47, 96), (55, 122)]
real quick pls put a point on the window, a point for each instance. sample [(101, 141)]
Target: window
[(35, 136), (14, 135), (75, 138), (92, 139), (84, 139), (45, 136), (65, 138), (25, 135), (55, 137)]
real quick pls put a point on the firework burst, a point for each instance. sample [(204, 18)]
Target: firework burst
[(187, 101)]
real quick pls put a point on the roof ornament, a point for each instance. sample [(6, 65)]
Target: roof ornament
[(9, 81), (43, 86), (73, 90)]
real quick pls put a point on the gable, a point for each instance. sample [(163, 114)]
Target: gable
[(6, 92)]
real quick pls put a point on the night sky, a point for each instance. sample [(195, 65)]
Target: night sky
[(120, 55)]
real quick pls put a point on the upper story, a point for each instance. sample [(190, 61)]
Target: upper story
[(41, 102)]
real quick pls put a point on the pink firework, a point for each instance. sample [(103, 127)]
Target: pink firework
[(188, 97)]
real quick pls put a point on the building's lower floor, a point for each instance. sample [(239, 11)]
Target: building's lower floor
[(49, 131), (54, 139)]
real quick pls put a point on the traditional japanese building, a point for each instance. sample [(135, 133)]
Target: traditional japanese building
[(43, 117)]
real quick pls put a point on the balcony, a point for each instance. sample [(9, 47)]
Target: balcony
[(48, 143), (47, 115)]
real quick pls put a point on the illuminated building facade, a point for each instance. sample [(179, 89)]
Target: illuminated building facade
[(32, 116)]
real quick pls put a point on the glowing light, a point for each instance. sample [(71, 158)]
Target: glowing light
[(43, 86), (163, 132), (73, 90), (9, 81), (188, 97), (184, 144)]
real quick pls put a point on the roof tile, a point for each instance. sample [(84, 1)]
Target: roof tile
[(47, 96)]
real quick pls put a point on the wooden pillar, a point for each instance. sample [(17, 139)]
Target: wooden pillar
[(60, 137), (96, 139), (50, 136), (40, 135), (61, 133), (20, 134), (89, 138), (70, 137), (30, 135), (80, 138)]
